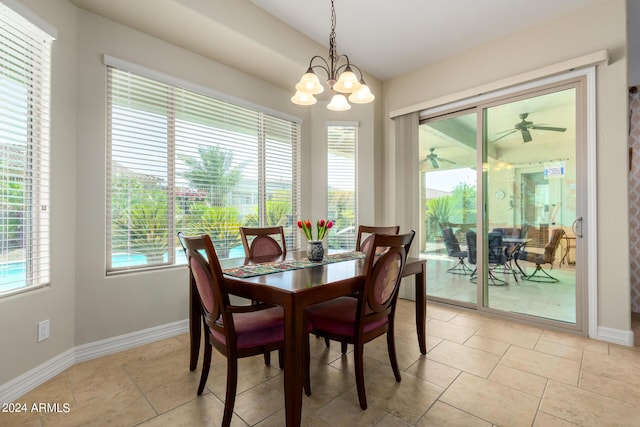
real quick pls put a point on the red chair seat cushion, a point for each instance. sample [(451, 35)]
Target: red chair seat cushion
[(257, 328), (338, 316)]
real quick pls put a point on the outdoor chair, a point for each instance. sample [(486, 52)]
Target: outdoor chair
[(544, 258), (496, 257), (454, 251)]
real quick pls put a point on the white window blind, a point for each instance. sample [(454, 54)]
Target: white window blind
[(183, 161), (25, 55), (342, 185)]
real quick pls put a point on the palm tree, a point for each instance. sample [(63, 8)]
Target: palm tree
[(143, 226), (213, 173)]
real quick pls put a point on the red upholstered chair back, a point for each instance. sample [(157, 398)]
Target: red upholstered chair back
[(209, 280), (263, 242), (366, 232), (384, 263)]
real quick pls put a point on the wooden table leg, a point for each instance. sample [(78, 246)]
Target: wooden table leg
[(195, 324), (294, 334), (421, 307)]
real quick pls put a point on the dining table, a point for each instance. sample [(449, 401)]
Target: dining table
[(294, 290)]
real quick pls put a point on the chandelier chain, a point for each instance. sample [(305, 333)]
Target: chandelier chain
[(333, 55)]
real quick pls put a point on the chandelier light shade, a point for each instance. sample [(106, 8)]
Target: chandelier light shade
[(339, 103), (302, 98), (310, 83), (341, 78)]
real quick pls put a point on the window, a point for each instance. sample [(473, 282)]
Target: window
[(342, 185), (183, 161), (24, 153)]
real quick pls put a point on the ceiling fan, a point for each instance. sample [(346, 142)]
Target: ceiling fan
[(434, 159), (524, 126)]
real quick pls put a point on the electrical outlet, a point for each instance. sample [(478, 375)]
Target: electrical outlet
[(43, 330)]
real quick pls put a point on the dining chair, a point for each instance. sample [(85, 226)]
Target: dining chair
[(545, 258), (366, 232), (265, 241), (360, 320), (363, 239), (193, 337), (234, 331)]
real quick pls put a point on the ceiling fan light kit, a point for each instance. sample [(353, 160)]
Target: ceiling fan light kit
[(340, 78)]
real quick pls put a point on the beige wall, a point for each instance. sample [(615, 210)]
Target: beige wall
[(121, 304), (19, 314), (131, 302), (602, 26), (84, 305)]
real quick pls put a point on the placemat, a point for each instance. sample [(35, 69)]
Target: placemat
[(245, 271)]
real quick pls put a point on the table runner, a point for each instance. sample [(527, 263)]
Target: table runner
[(245, 271)]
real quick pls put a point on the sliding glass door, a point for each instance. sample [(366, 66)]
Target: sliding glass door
[(502, 204), (530, 198), (448, 181)]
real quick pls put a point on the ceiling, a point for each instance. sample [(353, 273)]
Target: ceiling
[(385, 41), (278, 37), (390, 41)]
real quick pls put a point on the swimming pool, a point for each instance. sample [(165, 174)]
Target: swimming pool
[(13, 274)]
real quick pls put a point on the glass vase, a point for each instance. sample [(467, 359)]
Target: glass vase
[(315, 250)]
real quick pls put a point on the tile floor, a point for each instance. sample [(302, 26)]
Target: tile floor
[(556, 301), (479, 371)]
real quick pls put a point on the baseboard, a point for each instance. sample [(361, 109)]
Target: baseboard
[(615, 336), (108, 346), (26, 382)]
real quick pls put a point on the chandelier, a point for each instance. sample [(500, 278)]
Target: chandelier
[(340, 78)]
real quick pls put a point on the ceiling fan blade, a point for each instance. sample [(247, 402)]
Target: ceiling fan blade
[(434, 162), (446, 160), (555, 129), (505, 134), (526, 135), (505, 131)]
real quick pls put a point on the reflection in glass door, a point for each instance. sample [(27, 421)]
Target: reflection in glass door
[(530, 199)]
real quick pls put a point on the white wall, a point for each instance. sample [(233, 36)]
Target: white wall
[(601, 26)]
